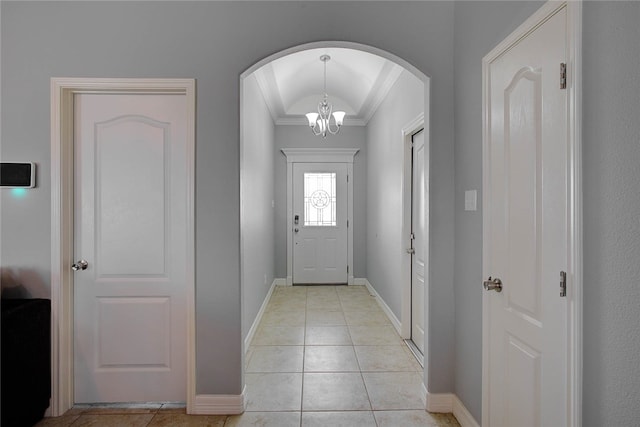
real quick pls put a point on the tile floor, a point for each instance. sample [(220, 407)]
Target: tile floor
[(322, 356)]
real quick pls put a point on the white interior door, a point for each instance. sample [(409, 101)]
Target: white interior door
[(131, 228), (419, 234), (526, 217), (320, 223)]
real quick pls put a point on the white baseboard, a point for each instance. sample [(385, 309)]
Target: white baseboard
[(424, 394), (450, 403), (440, 402), (392, 317), (462, 414), (280, 282), (218, 404), (360, 281), (256, 321)]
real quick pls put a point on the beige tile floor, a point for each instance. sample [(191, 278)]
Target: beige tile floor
[(322, 356)]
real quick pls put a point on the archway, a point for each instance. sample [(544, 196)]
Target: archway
[(248, 303)]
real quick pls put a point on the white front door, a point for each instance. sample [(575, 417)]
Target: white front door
[(131, 229), (320, 223), (526, 238), (419, 238)]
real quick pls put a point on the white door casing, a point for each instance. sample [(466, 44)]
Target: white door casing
[(130, 226), (419, 233), (63, 92), (318, 155), (320, 223), (531, 227)]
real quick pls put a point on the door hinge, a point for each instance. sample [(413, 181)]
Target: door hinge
[(563, 75), (347, 223), (563, 284), (347, 269), (347, 178), (412, 236)]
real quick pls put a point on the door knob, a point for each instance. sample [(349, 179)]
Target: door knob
[(493, 284), (295, 230), (80, 265)]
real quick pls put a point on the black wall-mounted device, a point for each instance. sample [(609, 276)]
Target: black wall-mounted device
[(17, 175)]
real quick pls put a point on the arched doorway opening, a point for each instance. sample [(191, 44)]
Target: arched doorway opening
[(263, 183)]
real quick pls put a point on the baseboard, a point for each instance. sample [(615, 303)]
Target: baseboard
[(360, 281), (218, 404), (450, 403), (392, 317), (263, 307), (280, 282), (462, 414), (440, 402)]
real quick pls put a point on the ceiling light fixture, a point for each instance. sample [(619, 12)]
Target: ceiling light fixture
[(320, 122)]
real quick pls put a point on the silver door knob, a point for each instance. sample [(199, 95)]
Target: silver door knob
[(295, 230), (79, 265), (411, 251), (493, 284)]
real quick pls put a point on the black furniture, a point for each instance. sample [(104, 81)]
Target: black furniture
[(26, 361)]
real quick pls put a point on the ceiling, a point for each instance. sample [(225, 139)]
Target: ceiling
[(357, 82)]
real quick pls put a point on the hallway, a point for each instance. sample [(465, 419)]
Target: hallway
[(331, 352), (322, 356)]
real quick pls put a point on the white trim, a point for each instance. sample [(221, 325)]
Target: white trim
[(447, 403), (258, 319), (462, 414), (377, 95), (218, 404), (319, 155), (265, 83), (392, 317), (574, 291), (280, 282), (62, 229), (440, 402), (360, 281), (407, 132), (575, 267)]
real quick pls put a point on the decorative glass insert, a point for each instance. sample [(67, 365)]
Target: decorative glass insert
[(320, 199)]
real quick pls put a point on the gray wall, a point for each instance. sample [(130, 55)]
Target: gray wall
[(611, 143), (479, 26), (257, 220), (385, 175), (213, 42), (301, 137)]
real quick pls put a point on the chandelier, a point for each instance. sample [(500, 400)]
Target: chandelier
[(325, 120)]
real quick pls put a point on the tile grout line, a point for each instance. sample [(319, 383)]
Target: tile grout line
[(304, 354)]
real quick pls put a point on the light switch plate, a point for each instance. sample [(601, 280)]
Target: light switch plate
[(471, 200)]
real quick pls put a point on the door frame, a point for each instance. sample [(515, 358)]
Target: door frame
[(319, 155), (62, 222), (408, 131), (574, 202)]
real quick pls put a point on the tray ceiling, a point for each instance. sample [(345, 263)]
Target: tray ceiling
[(357, 82)]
